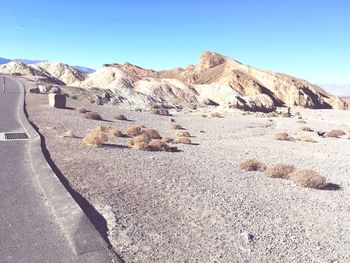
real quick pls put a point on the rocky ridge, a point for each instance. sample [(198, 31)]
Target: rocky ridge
[(217, 79)]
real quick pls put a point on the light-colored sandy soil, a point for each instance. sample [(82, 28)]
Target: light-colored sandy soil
[(196, 205)]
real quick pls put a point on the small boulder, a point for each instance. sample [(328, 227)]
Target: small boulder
[(34, 90), (57, 100), (42, 88), (55, 89)]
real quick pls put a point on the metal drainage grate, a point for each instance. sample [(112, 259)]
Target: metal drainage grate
[(13, 136)]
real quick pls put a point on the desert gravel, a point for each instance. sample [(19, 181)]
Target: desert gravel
[(195, 205)]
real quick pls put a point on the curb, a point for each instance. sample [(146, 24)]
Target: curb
[(81, 234)]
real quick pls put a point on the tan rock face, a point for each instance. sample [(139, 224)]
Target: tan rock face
[(216, 69), (216, 78)]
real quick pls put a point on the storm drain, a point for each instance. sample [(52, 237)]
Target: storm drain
[(13, 136)]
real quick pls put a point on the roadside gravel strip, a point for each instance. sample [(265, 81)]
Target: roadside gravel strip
[(78, 229)]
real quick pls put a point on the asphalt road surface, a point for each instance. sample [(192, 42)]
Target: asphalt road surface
[(28, 232)]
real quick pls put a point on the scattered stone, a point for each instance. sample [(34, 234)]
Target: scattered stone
[(43, 88), (34, 90), (248, 238), (55, 89), (321, 133)]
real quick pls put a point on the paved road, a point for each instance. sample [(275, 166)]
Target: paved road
[(28, 232)]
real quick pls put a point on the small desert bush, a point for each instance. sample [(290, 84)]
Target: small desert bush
[(120, 117), (167, 139), (69, 134), (183, 134), (283, 136), (305, 128), (301, 121), (305, 139), (93, 116), (215, 115), (101, 129), (177, 126), (252, 164), (279, 171), (152, 133), (308, 178), (157, 145), (81, 110), (163, 112), (133, 130), (183, 140), (115, 132), (335, 133), (96, 138), (140, 142)]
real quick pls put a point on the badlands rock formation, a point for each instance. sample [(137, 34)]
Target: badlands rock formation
[(223, 73), (215, 80), (52, 72)]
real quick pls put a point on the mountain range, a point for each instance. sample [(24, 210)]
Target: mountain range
[(214, 80), (28, 61)]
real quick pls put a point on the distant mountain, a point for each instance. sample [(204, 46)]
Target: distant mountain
[(337, 89), (4, 60), (30, 62), (84, 69)]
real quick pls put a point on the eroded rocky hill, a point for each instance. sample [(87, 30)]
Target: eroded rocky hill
[(215, 80)]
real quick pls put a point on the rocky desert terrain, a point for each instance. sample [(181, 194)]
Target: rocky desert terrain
[(196, 204), (214, 194)]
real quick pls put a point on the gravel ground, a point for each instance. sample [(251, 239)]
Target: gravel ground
[(195, 205)]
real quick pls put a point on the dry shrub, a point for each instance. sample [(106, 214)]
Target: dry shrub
[(101, 129), (252, 164), (305, 139), (305, 128), (183, 140), (183, 134), (335, 133), (69, 134), (308, 178), (115, 132), (283, 136), (215, 115), (177, 126), (157, 145), (120, 117), (279, 171), (93, 116), (144, 142), (152, 133), (133, 130), (96, 138), (81, 110), (163, 112), (167, 139), (139, 142), (301, 121)]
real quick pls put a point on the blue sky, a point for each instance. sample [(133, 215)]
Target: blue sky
[(309, 39)]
